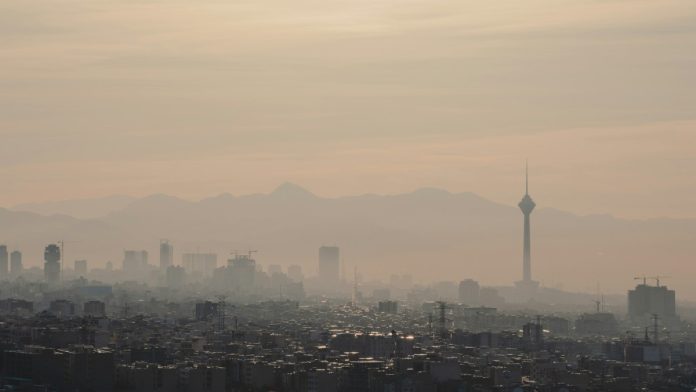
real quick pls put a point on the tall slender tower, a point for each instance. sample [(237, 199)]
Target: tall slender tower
[(527, 206)]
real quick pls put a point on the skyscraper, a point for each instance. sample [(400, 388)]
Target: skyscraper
[(527, 206), (4, 262), (52, 264), (329, 265), (166, 254), (16, 263)]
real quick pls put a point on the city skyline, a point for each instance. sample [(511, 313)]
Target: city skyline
[(347, 195), (377, 254)]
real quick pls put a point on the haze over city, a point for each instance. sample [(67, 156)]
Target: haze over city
[(347, 195)]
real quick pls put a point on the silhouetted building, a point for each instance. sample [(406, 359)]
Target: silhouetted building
[(80, 368), (533, 333), (4, 262), (81, 267), (16, 306), (16, 263), (176, 276), (557, 325), (206, 310), (52, 264), (388, 307), (329, 265), (94, 308), (488, 296), (62, 308), (469, 292), (645, 300), (596, 324), (92, 291), (202, 264), (242, 272), (134, 261), (295, 273), (294, 291), (166, 254)]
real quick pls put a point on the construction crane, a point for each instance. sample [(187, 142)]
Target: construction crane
[(657, 279), (62, 255), (597, 303), (643, 278)]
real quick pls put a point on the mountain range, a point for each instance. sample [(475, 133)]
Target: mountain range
[(430, 233)]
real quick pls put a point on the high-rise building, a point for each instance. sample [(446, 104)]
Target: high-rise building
[(388, 307), (16, 263), (134, 261), (527, 206), (81, 267), (469, 291), (166, 254), (176, 276), (295, 273), (242, 270), (275, 269), (206, 310), (4, 262), (52, 263), (329, 265), (94, 308), (645, 301), (202, 264)]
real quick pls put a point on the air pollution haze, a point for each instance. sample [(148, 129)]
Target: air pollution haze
[(197, 99), (347, 195), (429, 232)]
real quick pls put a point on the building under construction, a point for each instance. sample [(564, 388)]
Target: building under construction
[(645, 301)]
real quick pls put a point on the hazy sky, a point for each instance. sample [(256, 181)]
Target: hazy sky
[(198, 97)]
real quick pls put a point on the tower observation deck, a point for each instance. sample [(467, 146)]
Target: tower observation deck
[(527, 206)]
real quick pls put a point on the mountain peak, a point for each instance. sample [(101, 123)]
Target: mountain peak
[(288, 190)]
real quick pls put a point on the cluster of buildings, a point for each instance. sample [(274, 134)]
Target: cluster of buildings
[(322, 344), (201, 326)]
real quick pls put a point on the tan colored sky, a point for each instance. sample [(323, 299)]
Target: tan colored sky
[(194, 98)]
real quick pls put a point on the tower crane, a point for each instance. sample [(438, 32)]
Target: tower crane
[(657, 279)]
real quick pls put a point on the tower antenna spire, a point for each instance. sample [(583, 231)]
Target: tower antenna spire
[(526, 177)]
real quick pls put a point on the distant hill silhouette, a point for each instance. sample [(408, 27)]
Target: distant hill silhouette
[(430, 233)]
